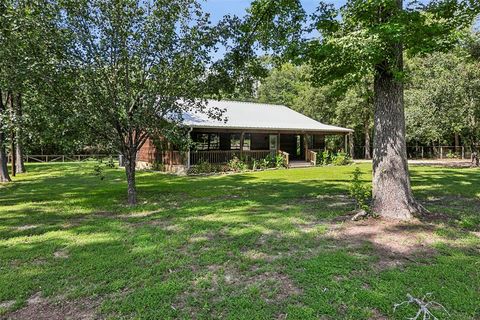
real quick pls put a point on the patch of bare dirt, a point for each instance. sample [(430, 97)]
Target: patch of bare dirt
[(274, 286), (447, 163), (61, 254), (377, 315), (7, 304), (331, 201), (394, 242), (40, 308)]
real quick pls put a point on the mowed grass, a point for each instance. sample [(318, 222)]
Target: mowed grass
[(264, 245)]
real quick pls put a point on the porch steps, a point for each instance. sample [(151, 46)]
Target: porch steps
[(299, 164)]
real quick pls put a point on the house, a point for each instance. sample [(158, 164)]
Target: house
[(246, 129)]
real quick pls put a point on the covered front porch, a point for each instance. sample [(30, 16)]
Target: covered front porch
[(297, 148)]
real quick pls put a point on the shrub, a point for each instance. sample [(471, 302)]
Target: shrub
[(360, 192), (158, 166), (279, 161), (324, 158), (340, 159), (99, 167), (451, 155), (206, 167), (327, 157), (237, 165), (264, 163)]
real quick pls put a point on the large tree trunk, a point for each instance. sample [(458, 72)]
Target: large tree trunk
[(367, 141), (19, 164), (4, 176), (130, 168), (392, 193)]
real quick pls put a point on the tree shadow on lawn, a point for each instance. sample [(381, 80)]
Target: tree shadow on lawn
[(230, 246)]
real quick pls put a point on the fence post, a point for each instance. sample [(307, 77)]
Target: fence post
[(441, 152), (63, 158), (422, 153), (46, 159), (463, 152)]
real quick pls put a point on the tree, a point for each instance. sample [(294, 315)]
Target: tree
[(442, 99), (290, 85), (31, 40), (4, 176), (367, 38), (283, 85), (140, 65), (355, 110)]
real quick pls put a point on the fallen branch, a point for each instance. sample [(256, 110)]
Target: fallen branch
[(362, 214), (423, 307)]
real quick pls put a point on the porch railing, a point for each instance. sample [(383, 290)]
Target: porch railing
[(224, 156), (286, 157), (311, 157)]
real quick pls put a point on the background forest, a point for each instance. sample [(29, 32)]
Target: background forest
[(442, 93), (442, 99)]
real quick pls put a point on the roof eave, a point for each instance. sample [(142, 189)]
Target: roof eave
[(339, 130)]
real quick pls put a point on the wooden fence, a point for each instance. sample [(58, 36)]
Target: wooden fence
[(426, 152), (66, 158)]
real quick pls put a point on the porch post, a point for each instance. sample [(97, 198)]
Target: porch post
[(188, 159), (351, 149), (305, 145), (346, 143), (242, 136)]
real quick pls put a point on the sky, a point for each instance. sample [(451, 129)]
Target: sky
[(219, 8)]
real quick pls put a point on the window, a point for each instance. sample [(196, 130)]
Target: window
[(206, 141), (247, 141), (273, 142), (235, 141)]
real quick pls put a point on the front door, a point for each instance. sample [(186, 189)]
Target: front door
[(293, 145)]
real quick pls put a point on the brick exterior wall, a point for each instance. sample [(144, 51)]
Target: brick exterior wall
[(147, 152)]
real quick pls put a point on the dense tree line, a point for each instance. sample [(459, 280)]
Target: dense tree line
[(109, 73), (442, 99)]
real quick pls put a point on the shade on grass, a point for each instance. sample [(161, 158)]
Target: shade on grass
[(243, 246)]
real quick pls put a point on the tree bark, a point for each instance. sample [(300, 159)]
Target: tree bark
[(367, 141), (12, 135), (130, 168), (19, 164), (457, 141), (392, 193), (4, 176)]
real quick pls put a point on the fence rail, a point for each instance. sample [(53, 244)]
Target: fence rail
[(224, 156), (65, 158), (427, 152)]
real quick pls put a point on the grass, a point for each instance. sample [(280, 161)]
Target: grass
[(259, 245)]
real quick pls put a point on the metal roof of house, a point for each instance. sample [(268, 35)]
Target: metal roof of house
[(248, 115)]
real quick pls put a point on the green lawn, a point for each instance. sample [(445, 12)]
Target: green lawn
[(265, 245)]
